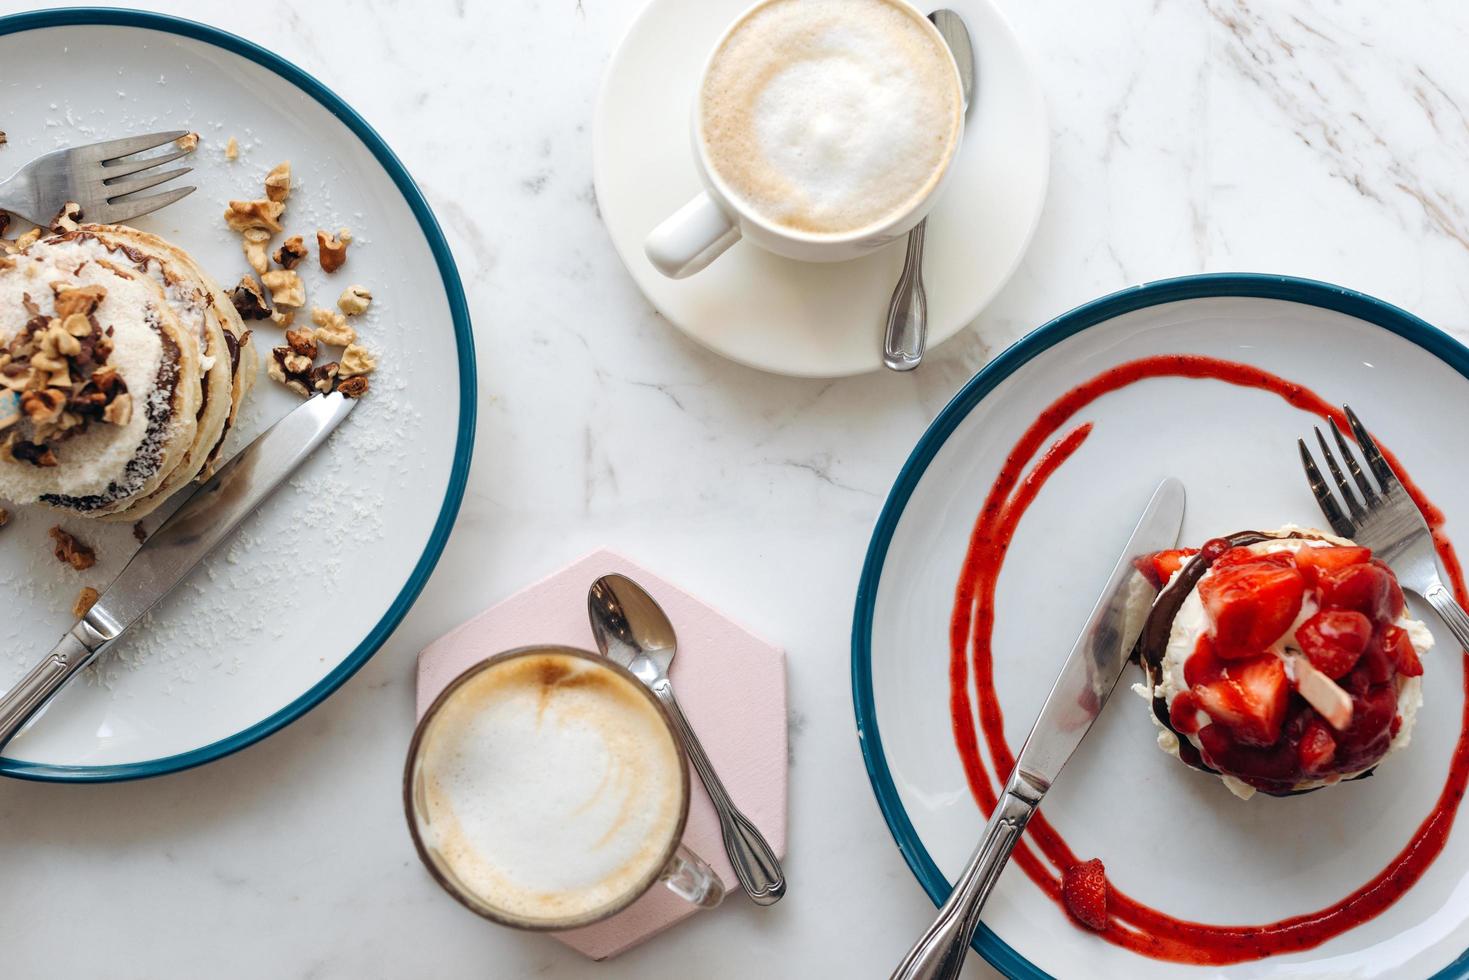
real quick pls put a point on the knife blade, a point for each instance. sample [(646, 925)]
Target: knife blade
[(171, 552), (1086, 681)]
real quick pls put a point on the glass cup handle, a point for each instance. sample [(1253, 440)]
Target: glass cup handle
[(688, 877)]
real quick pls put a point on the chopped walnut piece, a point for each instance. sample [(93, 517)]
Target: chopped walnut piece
[(356, 360), (120, 411), (187, 142), (263, 213), (354, 300), (283, 318), (232, 149), (4, 514), (291, 252), (286, 288), (28, 239), (3, 138), (332, 328), (331, 250), (4, 220), (67, 219), (18, 450), (324, 378), (302, 342), (70, 551), (290, 369), (353, 387), (79, 300), (255, 242), (43, 406), (86, 599), (140, 534), (278, 182), (249, 301)]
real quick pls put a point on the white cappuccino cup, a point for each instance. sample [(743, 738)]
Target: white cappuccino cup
[(822, 131), (545, 789)]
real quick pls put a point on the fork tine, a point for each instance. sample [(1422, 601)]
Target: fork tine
[(128, 145), (1322, 493), (1358, 511), (1368, 493), (136, 207), (123, 188), (1378, 465), (123, 168)]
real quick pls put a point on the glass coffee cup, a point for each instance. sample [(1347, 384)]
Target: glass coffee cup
[(545, 790)]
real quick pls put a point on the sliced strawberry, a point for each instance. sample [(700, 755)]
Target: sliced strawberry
[(1163, 565), (1245, 556), (1218, 744), (1183, 713), (1365, 740), (1203, 665), (1249, 699), (1314, 561), (1333, 639), (1084, 889), (1395, 601), (1377, 660), (1317, 748), (1369, 589), (1399, 648), (1251, 605)]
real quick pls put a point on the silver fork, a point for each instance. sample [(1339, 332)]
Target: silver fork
[(103, 179), (1385, 519)]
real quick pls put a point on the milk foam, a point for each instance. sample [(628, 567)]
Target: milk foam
[(551, 788), (829, 116)]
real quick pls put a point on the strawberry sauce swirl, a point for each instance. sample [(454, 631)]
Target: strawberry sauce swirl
[(1133, 924)]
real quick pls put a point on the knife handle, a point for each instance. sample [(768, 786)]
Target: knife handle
[(77, 648), (940, 953)]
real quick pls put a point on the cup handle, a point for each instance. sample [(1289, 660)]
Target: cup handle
[(688, 877), (690, 238)]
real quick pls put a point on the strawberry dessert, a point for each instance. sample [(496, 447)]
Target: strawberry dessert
[(1282, 661)]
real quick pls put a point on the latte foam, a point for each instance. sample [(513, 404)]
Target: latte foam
[(550, 788), (829, 116)]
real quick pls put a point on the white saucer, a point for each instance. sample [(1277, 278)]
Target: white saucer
[(803, 319)]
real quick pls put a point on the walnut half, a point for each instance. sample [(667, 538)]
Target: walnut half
[(332, 250), (286, 288), (70, 551)]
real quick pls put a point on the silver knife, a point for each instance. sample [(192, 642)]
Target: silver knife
[(1080, 692), (194, 530)]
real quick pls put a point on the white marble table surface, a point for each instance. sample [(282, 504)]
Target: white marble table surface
[(1320, 139)]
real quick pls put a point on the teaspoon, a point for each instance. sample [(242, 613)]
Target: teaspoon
[(632, 630), (907, 328)]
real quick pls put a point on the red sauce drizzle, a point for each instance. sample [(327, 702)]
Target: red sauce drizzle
[(1134, 925)]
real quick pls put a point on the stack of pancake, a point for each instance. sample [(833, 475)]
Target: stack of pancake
[(122, 368)]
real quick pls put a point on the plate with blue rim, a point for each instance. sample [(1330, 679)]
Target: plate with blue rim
[(1170, 837), (315, 582)]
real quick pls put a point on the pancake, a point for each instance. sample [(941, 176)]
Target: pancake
[(192, 302), (95, 466), (244, 361)]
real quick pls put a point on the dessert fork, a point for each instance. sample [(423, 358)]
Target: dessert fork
[(103, 179), (1385, 519)]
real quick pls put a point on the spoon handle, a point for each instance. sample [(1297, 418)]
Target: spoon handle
[(907, 328), (754, 862)]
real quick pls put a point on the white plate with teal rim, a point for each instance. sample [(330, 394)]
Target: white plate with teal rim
[(314, 583), (1171, 838)]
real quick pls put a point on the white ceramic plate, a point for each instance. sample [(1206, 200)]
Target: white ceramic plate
[(317, 580), (1170, 837), (805, 319)]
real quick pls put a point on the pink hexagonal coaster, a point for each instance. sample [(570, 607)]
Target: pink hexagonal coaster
[(731, 684)]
